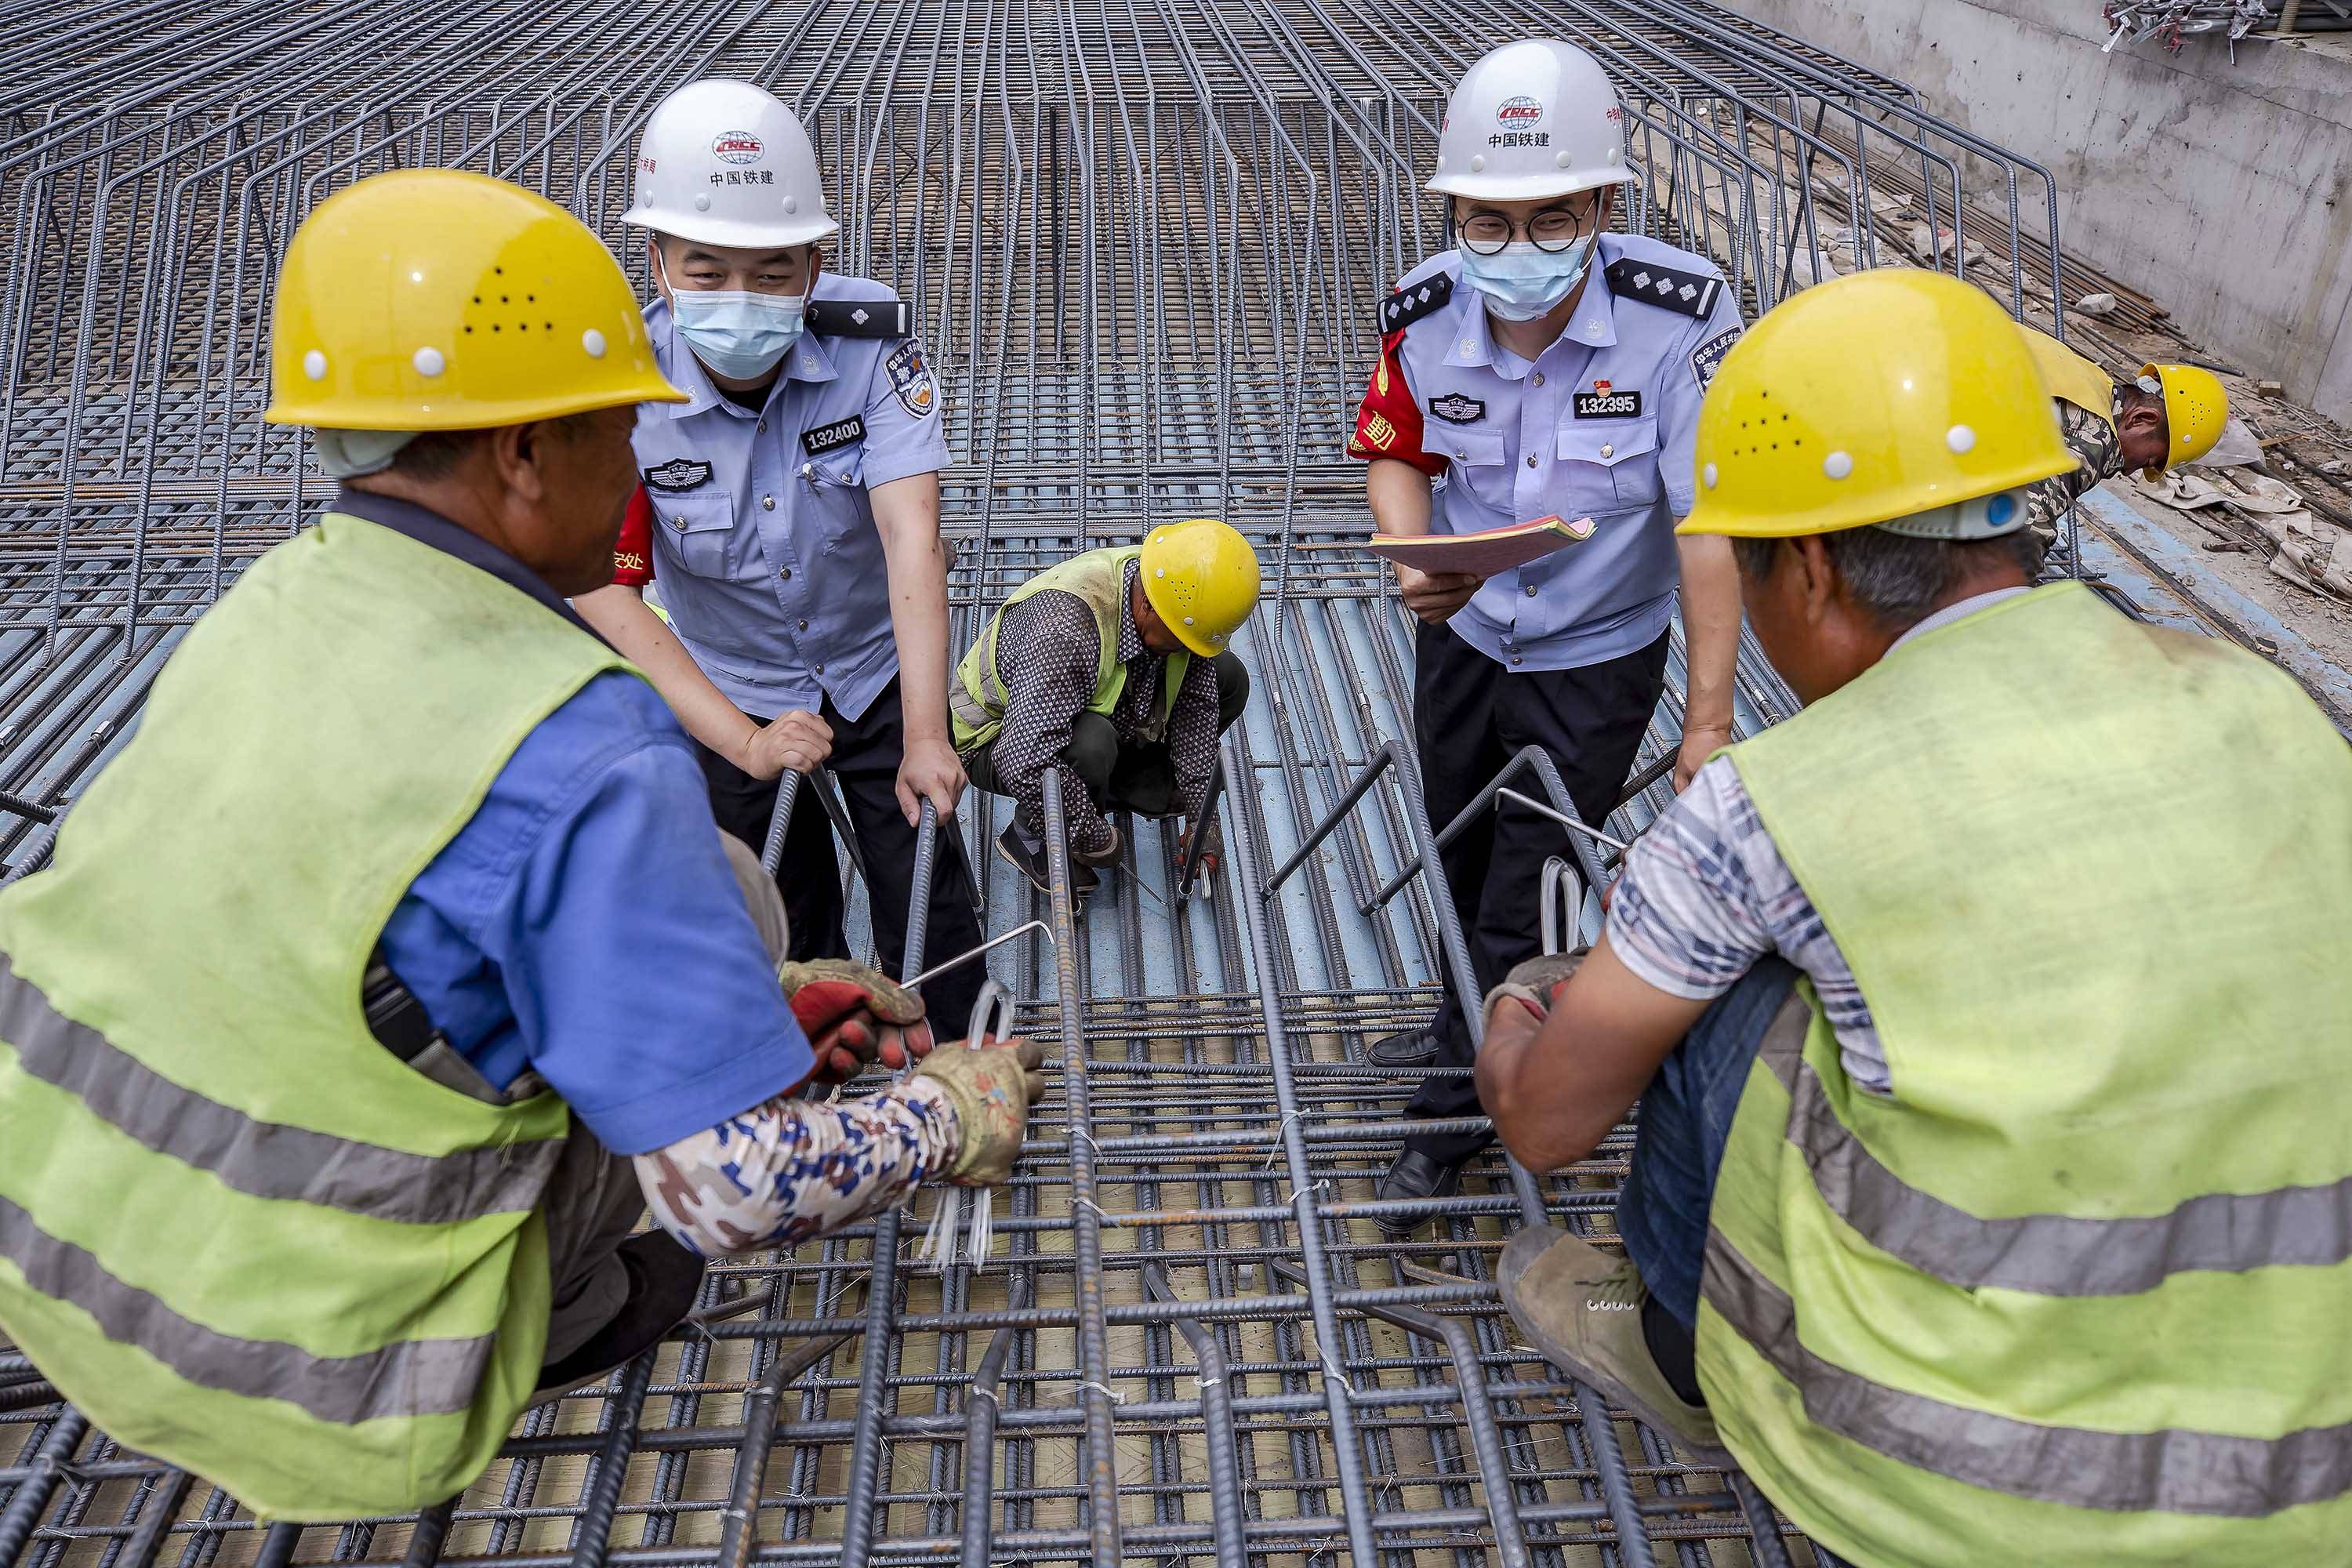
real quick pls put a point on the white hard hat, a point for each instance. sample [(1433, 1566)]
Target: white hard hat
[(725, 163), (1530, 119)]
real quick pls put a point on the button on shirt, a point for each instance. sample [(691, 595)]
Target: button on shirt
[(1601, 423), (757, 522), (584, 923)]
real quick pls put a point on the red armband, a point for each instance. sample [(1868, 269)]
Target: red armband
[(1387, 421), (633, 552)]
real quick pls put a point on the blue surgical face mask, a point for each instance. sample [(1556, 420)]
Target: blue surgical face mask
[(737, 333), (1521, 282)]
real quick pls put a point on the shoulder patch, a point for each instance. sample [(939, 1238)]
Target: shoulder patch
[(1707, 358), (677, 474), (860, 318), (1406, 306), (910, 379), (1691, 294)]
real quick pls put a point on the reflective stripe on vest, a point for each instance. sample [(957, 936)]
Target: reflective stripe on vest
[(2074, 1291), (235, 1230)]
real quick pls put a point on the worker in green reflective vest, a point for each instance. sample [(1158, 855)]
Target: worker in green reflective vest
[(1990, 1018), (396, 967)]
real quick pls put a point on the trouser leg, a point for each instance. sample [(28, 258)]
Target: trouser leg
[(1589, 721), (808, 875), (866, 753), (1684, 1126)]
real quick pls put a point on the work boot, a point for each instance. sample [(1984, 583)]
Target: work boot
[(1413, 1048), (1413, 1174), (1582, 1307), (1031, 863), (664, 1280)]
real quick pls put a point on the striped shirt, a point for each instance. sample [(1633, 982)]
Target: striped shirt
[(1705, 894)]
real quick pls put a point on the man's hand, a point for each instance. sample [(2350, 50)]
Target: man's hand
[(853, 1016), (992, 1088), (929, 771), (1700, 742), (796, 741), (1212, 848), (1515, 1010), (1435, 595)]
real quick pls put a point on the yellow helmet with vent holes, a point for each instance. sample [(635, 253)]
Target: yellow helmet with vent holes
[(438, 300), (1878, 396), (1201, 577), (2196, 408)]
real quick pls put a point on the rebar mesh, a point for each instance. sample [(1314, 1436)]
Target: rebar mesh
[(1144, 239)]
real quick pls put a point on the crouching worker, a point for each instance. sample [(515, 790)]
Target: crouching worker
[(1989, 1028), (2167, 416), (397, 963), (1112, 667)]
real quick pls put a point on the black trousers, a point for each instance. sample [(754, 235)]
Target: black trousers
[(1470, 716), (1135, 775), (865, 756)]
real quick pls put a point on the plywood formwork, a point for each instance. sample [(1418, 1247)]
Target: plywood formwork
[(1144, 239)]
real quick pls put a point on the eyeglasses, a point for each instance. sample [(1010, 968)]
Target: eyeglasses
[(1553, 230)]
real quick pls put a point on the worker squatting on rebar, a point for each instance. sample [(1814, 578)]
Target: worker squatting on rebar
[(331, 1118), (1980, 1205)]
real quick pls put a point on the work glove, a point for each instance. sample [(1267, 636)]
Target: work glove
[(992, 1088), (1212, 848), (1100, 855), (853, 1016), (1519, 1006)]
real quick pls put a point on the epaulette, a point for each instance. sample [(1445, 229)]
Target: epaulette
[(1691, 294), (1411, 303), (860, 318)]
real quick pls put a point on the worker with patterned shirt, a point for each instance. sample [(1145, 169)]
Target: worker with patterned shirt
[(1547, 368), (2166, 417), (324, 1131), (1113, 667), (1987, 1188), (790, 511)]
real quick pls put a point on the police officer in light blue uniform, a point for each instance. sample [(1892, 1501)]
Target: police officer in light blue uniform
[(1545, 368), (789, 512)]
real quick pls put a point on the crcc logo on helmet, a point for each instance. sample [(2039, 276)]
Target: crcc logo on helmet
[(738, 147)]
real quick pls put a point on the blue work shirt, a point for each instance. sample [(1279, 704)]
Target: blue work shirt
[(584, 922), (1601, 423), (760, 531)]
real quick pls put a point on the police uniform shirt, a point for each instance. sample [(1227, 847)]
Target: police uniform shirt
[(757, 522), (1601, 423)]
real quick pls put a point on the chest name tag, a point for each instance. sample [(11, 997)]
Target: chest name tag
[(840, 433), (677, 474), (1608, 405)]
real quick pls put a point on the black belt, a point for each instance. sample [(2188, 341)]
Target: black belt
[(395, 1017)]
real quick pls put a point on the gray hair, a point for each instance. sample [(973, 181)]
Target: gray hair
[(1898, 578)]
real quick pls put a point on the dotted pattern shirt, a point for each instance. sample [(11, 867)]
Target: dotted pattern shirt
[(1047, 651)]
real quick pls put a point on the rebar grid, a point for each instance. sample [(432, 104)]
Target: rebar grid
[(1144, 239)]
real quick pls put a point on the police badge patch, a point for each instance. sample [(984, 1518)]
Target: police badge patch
[(1707, 358), (911, 378), (677, 474), (1456, 409)]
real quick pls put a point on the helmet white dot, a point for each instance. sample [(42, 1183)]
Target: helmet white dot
[(1961, 439), (314, 365), (701, 202), (1477, 162), (1188, 620), (1614, 155), (792, 204), (593, 342), (1564, 159), (1837, 464), (428, 361), (1160, 572), (1709, 475)]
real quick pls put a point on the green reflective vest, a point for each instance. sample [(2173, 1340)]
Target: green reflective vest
[(976, 697), (2078, 1290), (236, 1231)]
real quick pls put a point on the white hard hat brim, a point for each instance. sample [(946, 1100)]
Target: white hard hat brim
[(697, 229), (1528, 187)]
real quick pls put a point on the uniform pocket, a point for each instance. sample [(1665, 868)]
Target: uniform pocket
[(1610, 465), (835, 487), (700, 528), (1480, 463)]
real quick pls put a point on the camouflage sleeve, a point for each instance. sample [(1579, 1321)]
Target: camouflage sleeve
[(2099, 454), (792, 1169)]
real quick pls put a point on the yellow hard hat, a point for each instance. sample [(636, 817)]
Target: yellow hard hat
[(436, 299), (2196, 408), (1201, 577), (1880, 396)]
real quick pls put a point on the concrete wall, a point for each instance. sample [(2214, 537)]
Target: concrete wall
[(2223, 191)]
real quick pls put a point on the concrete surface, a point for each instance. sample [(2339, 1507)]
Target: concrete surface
[(2222, 191)]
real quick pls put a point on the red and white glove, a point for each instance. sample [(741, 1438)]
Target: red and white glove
[(853, 1017)]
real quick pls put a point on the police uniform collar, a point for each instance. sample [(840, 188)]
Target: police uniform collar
[(1595, 323)]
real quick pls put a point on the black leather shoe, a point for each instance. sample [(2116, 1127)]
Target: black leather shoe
[(1032, 864), (664, 1280), (1413, 1048), (1414, 1175)]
